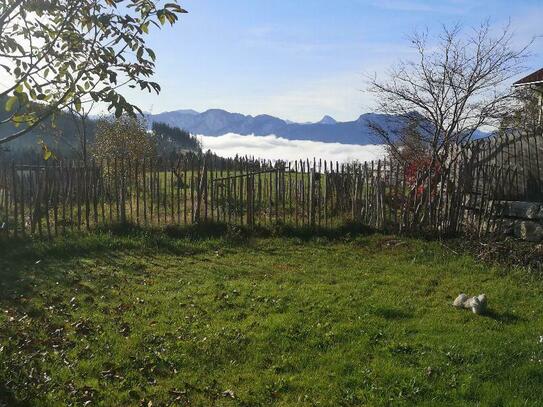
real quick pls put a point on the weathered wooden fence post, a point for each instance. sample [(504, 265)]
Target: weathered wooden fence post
[(312, 181), (250, 203), (122, 193), (201, 185)]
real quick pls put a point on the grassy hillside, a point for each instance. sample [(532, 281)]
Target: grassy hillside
[(150, 320)]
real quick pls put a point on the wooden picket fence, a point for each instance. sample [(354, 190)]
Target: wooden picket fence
[(518, 156), (55, 197), (52, 198)]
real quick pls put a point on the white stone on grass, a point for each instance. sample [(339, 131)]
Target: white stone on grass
[(477, 305), (460, 300)]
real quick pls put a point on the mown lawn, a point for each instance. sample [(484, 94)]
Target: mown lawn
[(149, 320)]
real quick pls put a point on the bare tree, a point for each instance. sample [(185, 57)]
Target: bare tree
[(80, 119), (455, 86)]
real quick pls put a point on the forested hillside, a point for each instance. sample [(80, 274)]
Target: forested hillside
[(63, 135)]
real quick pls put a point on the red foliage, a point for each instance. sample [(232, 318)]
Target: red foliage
[(416, 168)]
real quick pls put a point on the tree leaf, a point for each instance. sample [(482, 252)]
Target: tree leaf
[(47, 153), (62, 40), (118, 111), (10, 103)]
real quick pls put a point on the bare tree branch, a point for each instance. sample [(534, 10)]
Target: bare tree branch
[(455, 86)]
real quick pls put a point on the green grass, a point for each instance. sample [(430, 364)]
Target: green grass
[(128, 320)]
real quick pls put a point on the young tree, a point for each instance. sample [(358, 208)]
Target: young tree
[(80, 119), (123, 138), (454, 87), (70, 52)]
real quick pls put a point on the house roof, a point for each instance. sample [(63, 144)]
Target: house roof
[(533, 78)]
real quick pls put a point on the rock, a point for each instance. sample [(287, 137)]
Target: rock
[(460, 300), (477, 305), (520, 209), (229, 393), (473, 304), (505, 226), (500, 225), (483, 303), (530, 231)]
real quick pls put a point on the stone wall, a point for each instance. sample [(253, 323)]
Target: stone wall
[(523, 220)]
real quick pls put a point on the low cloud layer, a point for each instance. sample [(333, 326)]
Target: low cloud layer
[(274, 148)]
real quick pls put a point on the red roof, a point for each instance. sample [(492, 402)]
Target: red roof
[(536, 77)]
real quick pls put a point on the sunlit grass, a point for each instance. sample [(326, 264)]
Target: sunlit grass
[(128, 320)]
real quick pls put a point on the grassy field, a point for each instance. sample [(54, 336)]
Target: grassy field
[(145, 319)]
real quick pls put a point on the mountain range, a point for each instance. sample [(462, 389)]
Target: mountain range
[(217, 122)]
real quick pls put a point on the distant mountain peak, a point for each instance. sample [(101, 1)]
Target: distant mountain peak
[(218, 122), (327, 120), (188, 111)]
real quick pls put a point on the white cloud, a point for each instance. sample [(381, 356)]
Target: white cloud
[(277, 148)]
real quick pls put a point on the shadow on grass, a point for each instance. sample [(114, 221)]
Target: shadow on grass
[(21, 257), (7, 399), (79, 243), (504, 317), (236, 233), (99, 242), (26, 263), (392, 313)]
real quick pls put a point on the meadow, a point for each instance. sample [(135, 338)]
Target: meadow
[(149, 318)]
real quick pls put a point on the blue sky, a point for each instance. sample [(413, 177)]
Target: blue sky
[(301, 59)]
